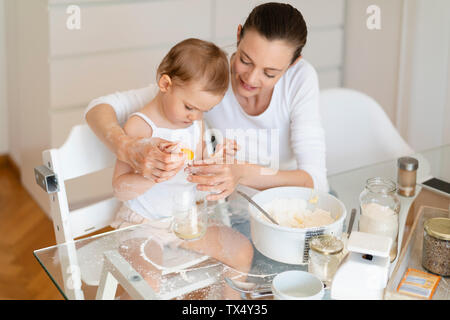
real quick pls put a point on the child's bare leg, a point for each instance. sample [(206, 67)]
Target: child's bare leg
[(228, 246)]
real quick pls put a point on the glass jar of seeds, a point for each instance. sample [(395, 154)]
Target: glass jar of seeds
[(436, 246)]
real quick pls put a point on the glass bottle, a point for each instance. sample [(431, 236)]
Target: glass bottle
[(380, 209), (406, 176), (189, 219), (325, 255), (436, 246)]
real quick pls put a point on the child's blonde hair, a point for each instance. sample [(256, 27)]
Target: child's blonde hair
[(198, 60)]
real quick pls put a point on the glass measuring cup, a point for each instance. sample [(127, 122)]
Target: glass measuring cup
[(189, 219)]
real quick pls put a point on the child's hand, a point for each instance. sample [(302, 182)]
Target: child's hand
[(169, 147), (225, 152), (180, 155)]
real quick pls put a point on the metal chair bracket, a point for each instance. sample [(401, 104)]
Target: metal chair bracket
[(46, 179)]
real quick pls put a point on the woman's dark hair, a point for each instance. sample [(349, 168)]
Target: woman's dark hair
[(278, 21)]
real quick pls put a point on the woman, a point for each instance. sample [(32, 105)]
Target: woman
[(273, 96)]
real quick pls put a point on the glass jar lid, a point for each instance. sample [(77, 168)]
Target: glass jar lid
[(438, 228), (408, 163), (381, 185), (326, 244)]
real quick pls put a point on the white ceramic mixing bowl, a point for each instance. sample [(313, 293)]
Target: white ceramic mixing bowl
[(291, 245)]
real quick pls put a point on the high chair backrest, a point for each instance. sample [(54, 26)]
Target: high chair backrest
[(81, 154), (357, 130)]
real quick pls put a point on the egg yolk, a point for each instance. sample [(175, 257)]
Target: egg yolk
[(189, 153)]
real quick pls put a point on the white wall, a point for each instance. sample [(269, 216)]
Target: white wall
[(427, 107), (3, 80), (371, 56), (29, 95), (13, 94), (404, 66), (446, 138)]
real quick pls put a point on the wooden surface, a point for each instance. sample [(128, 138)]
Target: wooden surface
[(425, 198), (24, 227), (412, 258)]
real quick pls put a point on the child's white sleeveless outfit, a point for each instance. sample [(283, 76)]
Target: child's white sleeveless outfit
[(157, 202)]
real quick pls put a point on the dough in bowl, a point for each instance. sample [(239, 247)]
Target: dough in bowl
[(293, 213)]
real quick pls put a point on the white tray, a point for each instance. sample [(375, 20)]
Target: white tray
[(411, 257)]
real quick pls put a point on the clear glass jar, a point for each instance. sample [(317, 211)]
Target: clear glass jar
[(406, 176), (380, 209), (189, 219), (436, 246), (325, 256)]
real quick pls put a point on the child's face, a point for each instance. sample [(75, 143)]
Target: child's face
[(184, 104)]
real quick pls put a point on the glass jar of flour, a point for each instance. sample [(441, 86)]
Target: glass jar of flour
[(380, 209)]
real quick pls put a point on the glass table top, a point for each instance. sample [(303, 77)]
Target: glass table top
[(163, 268), (82, 260)]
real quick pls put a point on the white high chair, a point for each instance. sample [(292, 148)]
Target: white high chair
[(83, 154)]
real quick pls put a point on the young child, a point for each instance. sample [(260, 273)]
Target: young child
[(191, 79)]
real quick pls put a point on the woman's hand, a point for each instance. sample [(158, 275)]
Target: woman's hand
[(216, 173), (154, 158), (225, 151), (219, 179)]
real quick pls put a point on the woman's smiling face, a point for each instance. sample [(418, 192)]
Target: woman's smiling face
[(259, 63)]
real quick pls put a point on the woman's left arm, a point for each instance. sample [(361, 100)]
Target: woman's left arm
[(306, 130)]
